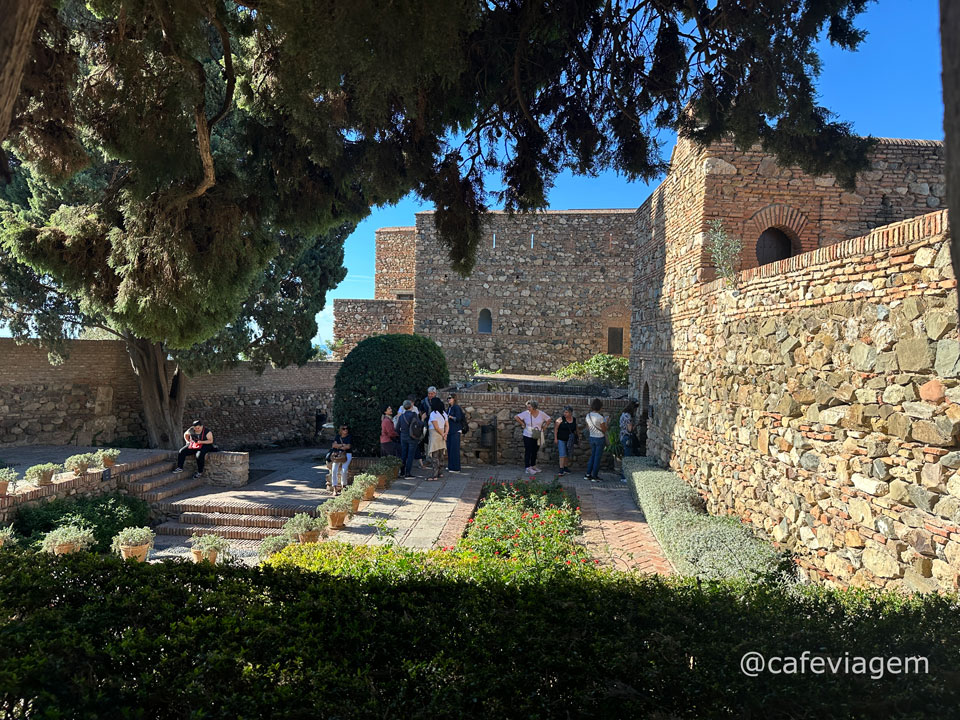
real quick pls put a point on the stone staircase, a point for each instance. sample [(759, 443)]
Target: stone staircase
[(157, 481), (240, 521)]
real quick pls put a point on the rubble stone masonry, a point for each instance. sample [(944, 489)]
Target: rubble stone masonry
[(818, 400), (93, 398), (395, 271), (356, 320)]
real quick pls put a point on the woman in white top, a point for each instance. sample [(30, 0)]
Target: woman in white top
[(438, 435), (532, 421), (597, 425)]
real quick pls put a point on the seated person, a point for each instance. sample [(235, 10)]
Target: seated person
[(199, 440)]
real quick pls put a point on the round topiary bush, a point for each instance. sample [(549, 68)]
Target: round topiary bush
[(382, 371)]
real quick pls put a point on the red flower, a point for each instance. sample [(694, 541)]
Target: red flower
[(583, 559), (596, 562), (568, 562), (470, 520)]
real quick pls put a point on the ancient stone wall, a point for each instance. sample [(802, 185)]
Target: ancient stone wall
[(90, 399), (356, 320), (820, 402), (750, 192), (394, 274), (548, 305), (93, 398), (246, 409)]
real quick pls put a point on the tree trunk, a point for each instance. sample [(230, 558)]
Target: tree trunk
[(163, 392), (950, 51), (16, 35)]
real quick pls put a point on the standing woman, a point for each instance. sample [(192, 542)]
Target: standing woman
[(439, 427), (626, 432), (456, 418), (597, 426), (389, 436), (532, 421), (566, 434), (340, 460)]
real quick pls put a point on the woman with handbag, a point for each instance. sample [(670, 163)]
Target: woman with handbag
[(532, 421), (340, 460), (439, 427)]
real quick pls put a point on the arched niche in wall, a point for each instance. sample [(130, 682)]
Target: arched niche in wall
[(774, 233), (485, 322)]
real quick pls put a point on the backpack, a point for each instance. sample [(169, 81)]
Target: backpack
[(415, 427)]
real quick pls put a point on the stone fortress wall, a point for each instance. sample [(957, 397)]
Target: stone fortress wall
[(549, 304), (819, 399), (93, 398)]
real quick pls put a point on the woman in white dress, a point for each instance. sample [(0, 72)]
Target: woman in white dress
[(438, 436)]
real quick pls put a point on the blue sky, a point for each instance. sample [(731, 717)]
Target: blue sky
[(890, 87)]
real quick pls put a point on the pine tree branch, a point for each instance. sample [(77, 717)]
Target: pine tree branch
[(227, 66)]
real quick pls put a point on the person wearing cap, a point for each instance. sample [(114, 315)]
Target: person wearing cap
[(199, 440)]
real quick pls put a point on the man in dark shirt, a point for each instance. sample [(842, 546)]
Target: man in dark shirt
[(408, 445)]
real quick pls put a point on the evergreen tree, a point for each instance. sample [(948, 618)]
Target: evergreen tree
[(190, 151)]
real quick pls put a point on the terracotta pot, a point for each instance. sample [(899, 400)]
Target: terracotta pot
[(46, 478), (311, 536), (139, 552), (369, 492), (3, 487), (2, 540), (109, 462), (381, 482), (201, 555), (337, 519), (64, 548), (395, 473), (356, 505)]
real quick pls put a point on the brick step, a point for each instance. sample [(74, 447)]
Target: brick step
[(149, 471), (230, 532), (174, 488), (176, 506), (155, 482), (226, 519)]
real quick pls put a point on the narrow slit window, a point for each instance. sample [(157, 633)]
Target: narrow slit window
[(615, 341)]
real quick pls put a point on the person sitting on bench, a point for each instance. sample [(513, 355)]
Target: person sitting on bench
[(200, 441)]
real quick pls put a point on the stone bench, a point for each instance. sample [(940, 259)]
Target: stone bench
[(223, 468)]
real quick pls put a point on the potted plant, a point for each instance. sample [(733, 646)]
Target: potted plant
[(274, 544), (393, 464), (79, 464), (356, 495), (7, 536), (8, 480), (615, 447), (207, 547), (367, 484), (43, 474), (67, 539), (336, 510), (305, 528), (383, 473), (106, 458), (134, 542)]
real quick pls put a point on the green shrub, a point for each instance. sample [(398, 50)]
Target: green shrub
[(106, 514), (78, 535), (701, 545), (273, 544), (725, 252), (610, 370), (80, 463), (9, 475), (35, 472), (91, 636), (382, 371)]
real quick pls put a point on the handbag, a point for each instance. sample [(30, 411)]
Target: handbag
[(536, 434)]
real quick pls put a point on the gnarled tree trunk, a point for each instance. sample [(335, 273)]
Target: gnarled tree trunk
[(19, 18), (163, 392), (950, 52)]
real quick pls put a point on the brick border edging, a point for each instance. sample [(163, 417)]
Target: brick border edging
[(457, 522)]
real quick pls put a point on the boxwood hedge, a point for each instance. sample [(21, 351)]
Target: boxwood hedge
[(94, 637)]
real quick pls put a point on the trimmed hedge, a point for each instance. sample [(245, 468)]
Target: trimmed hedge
[(91, 636), (698, 544), (106, 515), (380, 371)]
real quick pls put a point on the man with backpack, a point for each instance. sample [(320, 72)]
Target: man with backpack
[(410, 427)]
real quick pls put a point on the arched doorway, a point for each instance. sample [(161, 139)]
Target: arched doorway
[(773, 245), (642, 420)]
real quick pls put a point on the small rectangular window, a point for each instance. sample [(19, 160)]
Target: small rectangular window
[(404, 296), (615, 341)]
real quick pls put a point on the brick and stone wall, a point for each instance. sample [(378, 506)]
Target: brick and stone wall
[(395, 271), (550, 305), (90, 399), (356, 320), (819, 401), (750, 192), (93, 398), (483, 407), (243, 408)]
